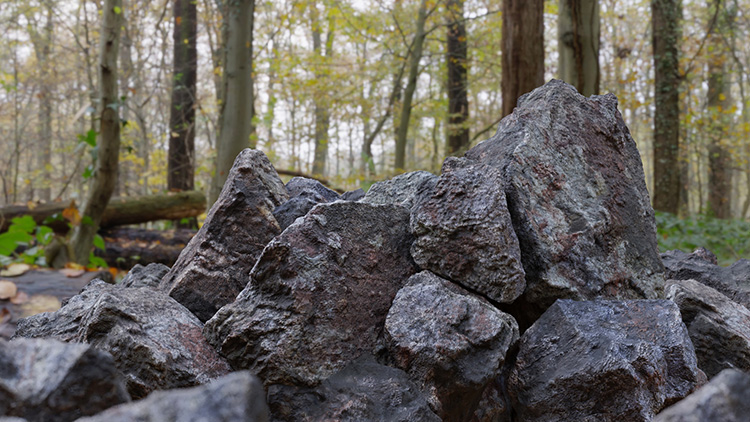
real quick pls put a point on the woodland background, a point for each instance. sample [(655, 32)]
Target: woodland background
[(355, 91)]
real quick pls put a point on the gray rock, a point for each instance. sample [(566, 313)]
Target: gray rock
[(726, 399), (304, 194), (603, 361), (362, 391), (148, 276), (237, 397), (407, 189), (464, 232), (319, 294), (718, 326), (48, 381), (450, 342), (213, 268), (353, 195), (732, 281), (156, 342), (577, 196)]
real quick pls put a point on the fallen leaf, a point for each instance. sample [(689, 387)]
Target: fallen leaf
[(20, 298), (74, 266), (5, 315), (14, 270), (38, 304), (8, 289), (72, 273)]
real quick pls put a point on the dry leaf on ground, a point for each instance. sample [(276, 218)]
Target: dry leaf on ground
[(8, 289), (14, 270)]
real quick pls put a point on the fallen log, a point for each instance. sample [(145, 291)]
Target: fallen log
[(120, 211)]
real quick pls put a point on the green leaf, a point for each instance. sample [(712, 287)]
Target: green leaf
[(87, 220), (96, 262), (89, 138), (25, 224), (9, 241), (98, 242), (88, 172), (118, 10), (44, 235)]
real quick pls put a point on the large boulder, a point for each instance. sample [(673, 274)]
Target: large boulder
[(213, 268), (319, 294), (451, 343), (577, 195), (603, 361), (726, 398), (304, 194), (408, 189), (718, 326), (362, 391), (237, 397), (156, 342), (464, 232), (44, 380), (732, 281)]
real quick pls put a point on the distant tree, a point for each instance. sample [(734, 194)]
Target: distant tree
[(578, 43), (322, 98), (457, 64), (523, 49)]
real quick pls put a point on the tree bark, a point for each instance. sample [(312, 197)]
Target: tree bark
[(322, 99), (666, 16), (523, 50), (578, 44), (458, 85), (109, 140)]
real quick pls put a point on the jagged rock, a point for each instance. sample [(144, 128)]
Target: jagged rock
[(213, 268), (408, 189), (319, 294), (362, 391), (464, 233), (47, 380), (726, 398), (353, 195), (718, 326), (450, 342), (156, 342), (603, 361), (148, 276), (732, 281), (577, 195), (304, 194), (237, 397)]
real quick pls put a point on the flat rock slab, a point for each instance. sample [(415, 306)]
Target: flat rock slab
[(362, 391), (213, 268), (577, 195), (156, 342), (464, 232), (319, 294), (603, 361), (718, 326), (407, 189), (47, 380), (726, 398), (237, 397), (450, 342)]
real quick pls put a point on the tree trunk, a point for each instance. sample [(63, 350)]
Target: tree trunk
[(578, 44), (322, 98), (523, 50), (458, 85), (666, 15), (181, 158), (109, 140), (235, 129), (415, 55)]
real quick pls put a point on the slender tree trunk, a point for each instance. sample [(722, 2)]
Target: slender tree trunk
[(458, 85), (523, 49), (415, 55), (109, 140), (666, 15), (235, 127), (578, 44), (322, 99)]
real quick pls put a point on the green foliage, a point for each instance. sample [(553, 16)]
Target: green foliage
[(728, 239)]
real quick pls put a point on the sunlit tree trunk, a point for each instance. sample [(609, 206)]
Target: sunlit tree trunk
[(523, 49), (578, 44)]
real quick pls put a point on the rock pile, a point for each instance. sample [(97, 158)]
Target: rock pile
[(522, 284)]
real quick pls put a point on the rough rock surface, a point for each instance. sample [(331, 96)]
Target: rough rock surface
[(603, 361), (319, 294), (353, 195), (156, 342), (237, 397), (213, 268), (408, 189), (726, 398), (48, 381), (451, 343), (577, 195), (732, 281), (464, 232), (362, 391), (718, 326), (304, 194), (148, 276)]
